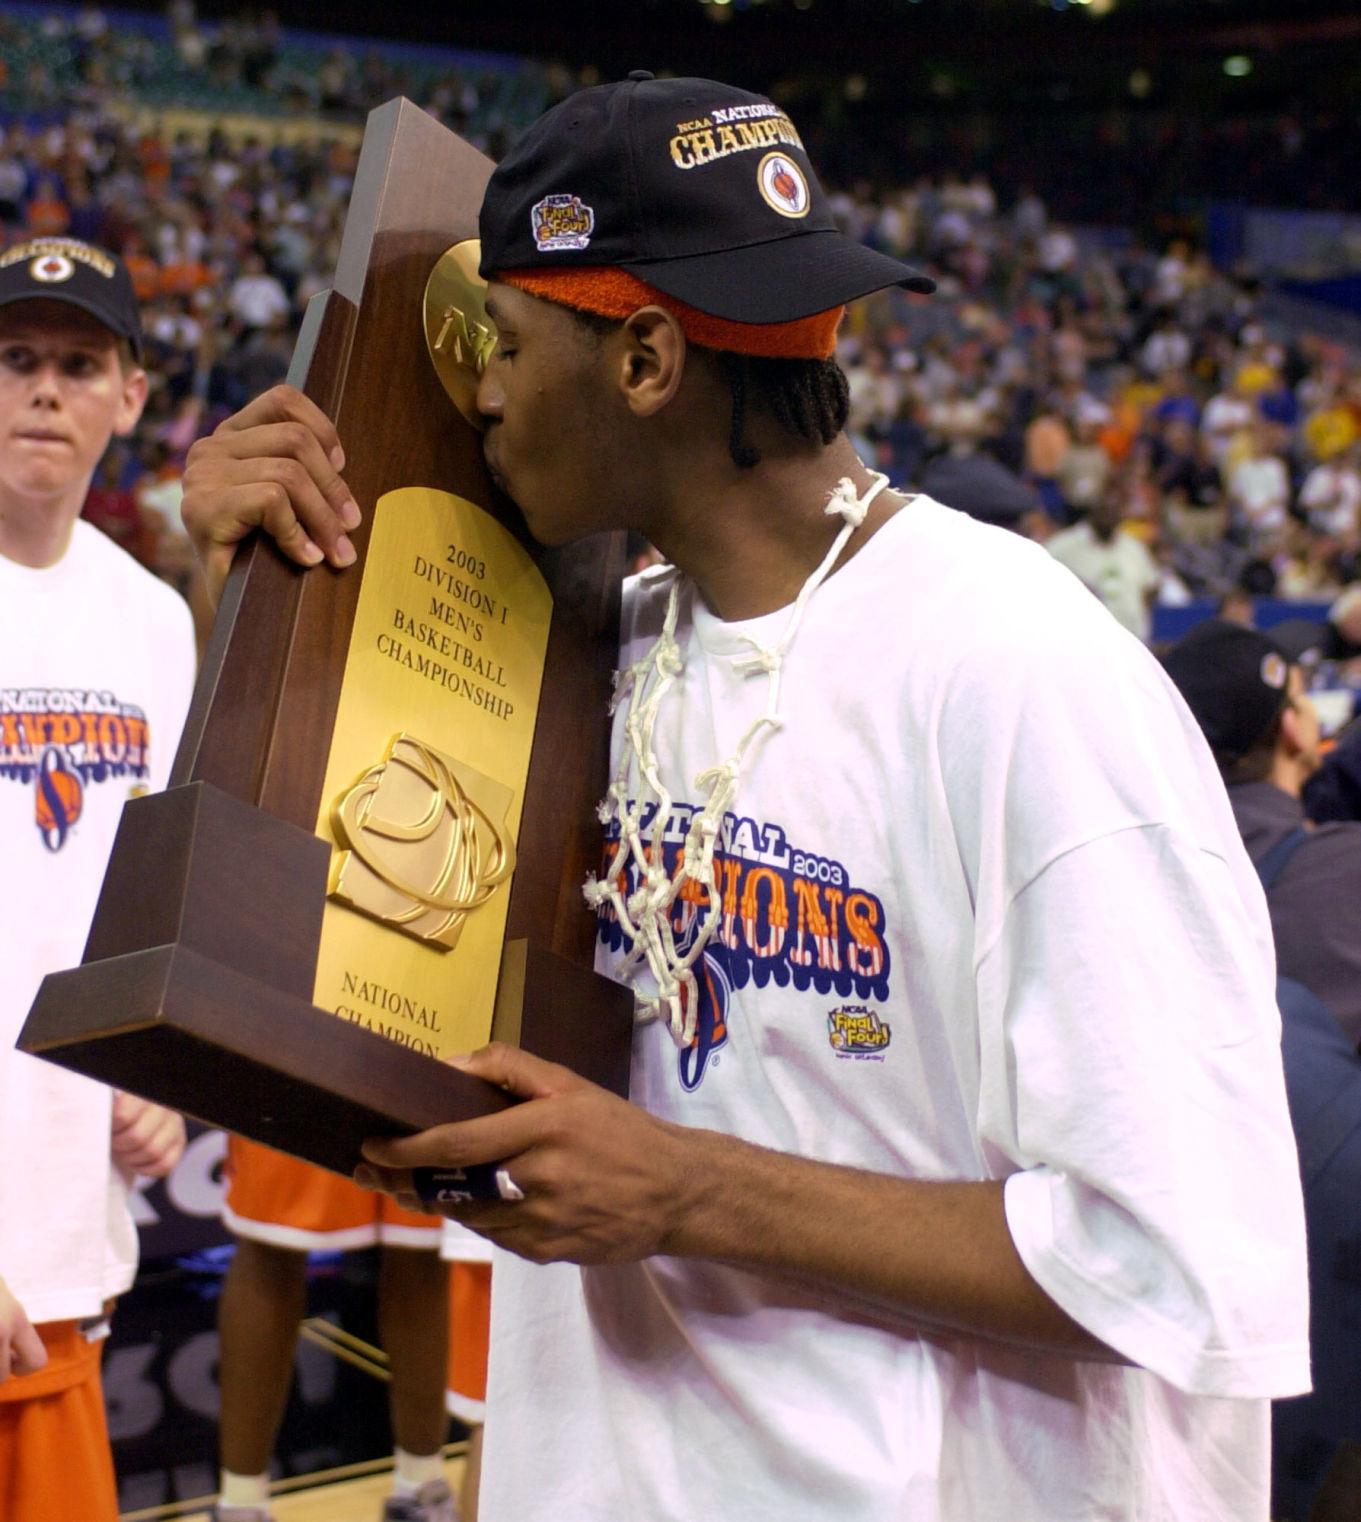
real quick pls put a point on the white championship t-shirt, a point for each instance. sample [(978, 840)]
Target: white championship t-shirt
[(96, 668), (985, 916)]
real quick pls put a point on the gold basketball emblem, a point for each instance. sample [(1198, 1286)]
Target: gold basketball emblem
[(423, 842), (459, 334)]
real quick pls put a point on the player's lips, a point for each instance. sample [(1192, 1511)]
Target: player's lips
[(42, 436), (490, 458)]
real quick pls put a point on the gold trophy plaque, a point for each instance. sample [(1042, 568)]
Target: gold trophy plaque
[(423, 789)]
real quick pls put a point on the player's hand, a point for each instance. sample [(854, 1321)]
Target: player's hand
[(274, 465), (602, 1179), (21, 1349), (147, 1138)]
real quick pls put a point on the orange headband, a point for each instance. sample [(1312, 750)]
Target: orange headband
[(611, 292)]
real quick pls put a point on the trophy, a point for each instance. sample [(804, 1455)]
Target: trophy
[(383, 805)]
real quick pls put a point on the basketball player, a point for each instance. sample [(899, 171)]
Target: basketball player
[(956, 1181), (96, 666), (280, 1209)]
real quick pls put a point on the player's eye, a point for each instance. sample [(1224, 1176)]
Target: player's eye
[(16, 356), (79, 365)]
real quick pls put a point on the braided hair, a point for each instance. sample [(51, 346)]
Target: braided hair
[(808, 398)]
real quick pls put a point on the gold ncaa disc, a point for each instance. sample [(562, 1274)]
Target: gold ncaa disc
[(458, 333)]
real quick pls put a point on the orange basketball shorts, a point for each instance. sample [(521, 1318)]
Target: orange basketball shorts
[(279, 1201), (55, 1464), (469, 1327)]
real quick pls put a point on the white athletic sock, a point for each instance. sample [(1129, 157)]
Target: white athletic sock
[(414, 1470), (244, 1489)]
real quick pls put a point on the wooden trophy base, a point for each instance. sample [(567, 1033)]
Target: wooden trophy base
[(210, 1012)]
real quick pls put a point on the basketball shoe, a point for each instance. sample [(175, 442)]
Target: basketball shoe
[(433, 1502)]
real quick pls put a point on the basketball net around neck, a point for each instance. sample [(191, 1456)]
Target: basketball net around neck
[(645, 913)]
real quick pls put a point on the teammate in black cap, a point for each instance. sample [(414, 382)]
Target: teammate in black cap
[(938, 1197), (96, 664)]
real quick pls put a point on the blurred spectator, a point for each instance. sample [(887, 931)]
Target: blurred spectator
[(1084, 471), (1259, 492), (1167, 348), (1237, 607), (113, 508), (1047, 440), (976, 484), (1334, 791), (1330, 497), (1332, 426), (1193, 491), (257, 299), (1110, 563), (1227, 422), (1252, 703)]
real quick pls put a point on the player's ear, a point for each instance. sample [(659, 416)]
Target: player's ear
[(651, 360), (133, 399)]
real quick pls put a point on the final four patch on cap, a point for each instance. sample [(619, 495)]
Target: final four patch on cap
[(562, 221), (79, 274)]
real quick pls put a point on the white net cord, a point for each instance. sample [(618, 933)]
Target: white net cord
[(646, 913)]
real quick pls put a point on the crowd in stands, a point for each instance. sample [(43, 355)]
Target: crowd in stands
[(248, 65), (1107, 380), (1060, 381)]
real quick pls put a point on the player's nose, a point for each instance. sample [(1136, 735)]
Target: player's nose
[(489, 397)]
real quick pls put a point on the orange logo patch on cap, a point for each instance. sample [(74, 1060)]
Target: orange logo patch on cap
[(51, 269), (783, 185), (1274, 670)]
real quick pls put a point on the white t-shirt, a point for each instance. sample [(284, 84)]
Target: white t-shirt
[(987, 916), (1120, 571), (1261, 488), (96, 667), (258, 300), (1226, 416), (1331, 495)]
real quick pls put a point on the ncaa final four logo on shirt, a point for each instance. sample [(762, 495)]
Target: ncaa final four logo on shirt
[(787, 916), (562, 222), (857, 1032), (59, 741)]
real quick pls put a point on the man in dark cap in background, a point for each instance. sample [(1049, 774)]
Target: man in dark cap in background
[(1248, 692), (1252, 704)]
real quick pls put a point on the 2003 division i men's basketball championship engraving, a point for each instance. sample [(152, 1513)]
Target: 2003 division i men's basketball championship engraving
[(425, 782)]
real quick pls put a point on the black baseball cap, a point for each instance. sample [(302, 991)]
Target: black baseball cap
[(65, 269), (1234, 682), (702, 190)]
